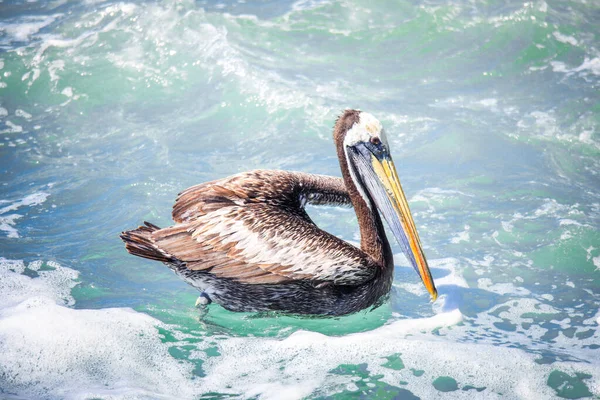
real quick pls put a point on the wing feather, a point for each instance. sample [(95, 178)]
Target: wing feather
[(252, 227)]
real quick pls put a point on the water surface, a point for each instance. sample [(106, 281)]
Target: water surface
[(109, 109)]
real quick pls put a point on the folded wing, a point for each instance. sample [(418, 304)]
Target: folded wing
[(253, 228)]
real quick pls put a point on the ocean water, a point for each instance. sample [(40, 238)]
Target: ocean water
[(492, 107)]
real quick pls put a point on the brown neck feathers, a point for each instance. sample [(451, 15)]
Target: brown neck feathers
[(372, 234)]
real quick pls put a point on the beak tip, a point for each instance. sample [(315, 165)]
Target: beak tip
[(434, 296)]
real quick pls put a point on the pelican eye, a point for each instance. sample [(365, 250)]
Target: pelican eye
[(376, 141)]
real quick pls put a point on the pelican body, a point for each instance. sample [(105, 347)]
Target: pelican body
[(247, 243)]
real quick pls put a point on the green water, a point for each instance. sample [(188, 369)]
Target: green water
[(492, 109)]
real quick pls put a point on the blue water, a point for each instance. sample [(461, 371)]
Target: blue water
[(492, 109)]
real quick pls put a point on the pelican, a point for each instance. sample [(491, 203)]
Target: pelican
[(247, 243)]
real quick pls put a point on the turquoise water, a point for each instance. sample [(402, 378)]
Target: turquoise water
[(109, 109)]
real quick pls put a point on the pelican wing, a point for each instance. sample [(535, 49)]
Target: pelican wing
[(277, 188), (252, 227)]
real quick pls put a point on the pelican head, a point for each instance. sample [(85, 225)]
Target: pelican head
[(374, 174)]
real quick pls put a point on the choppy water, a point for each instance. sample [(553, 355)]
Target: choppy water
[(109, 109)]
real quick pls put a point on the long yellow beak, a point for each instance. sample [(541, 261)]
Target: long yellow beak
[(409, 238)]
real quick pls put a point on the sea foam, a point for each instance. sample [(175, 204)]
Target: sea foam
[(49, 350), (54, 351)]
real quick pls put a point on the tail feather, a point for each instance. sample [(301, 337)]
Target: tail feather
[(139, 242)]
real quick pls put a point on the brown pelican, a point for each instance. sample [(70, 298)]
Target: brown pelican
[(248, 244)]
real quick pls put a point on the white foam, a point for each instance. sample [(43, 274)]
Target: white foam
[(29, 200), (22, 114), (54, 67), (596, 261), (117, 353), (586, 136), (210, 46), (7, 224), (471, 103), (68, 91), (489, 103), (566, 235), (565, 38), (8, 221), (16, 288), (12, 128), (567, 216), (501, 288), (344, 32), (507, 226), (52, 41), (250, 358), (36, 74), (550, 208), (414, 288), (434, 196), (453, 276), (463, 236), (592, 65), (566, 221), (49, 350), (76, 354), (303, 362), (588, 65), (27, 26), (594, 319)]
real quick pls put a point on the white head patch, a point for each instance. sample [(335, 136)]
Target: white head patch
[(363, 131), (366, 128)]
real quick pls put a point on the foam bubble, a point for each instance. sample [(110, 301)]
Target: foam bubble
[(565, 38), (592, 65), (307, 361), (308, 357), (463, 236), (50, 350), (8, 221), (588, 65), (22, 114), (53, 69), (12, 128), (29, 200), (16, 287), (507, 226), (68, 91), (453, 276), (501, 288), (118, 352), (27, 26)]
